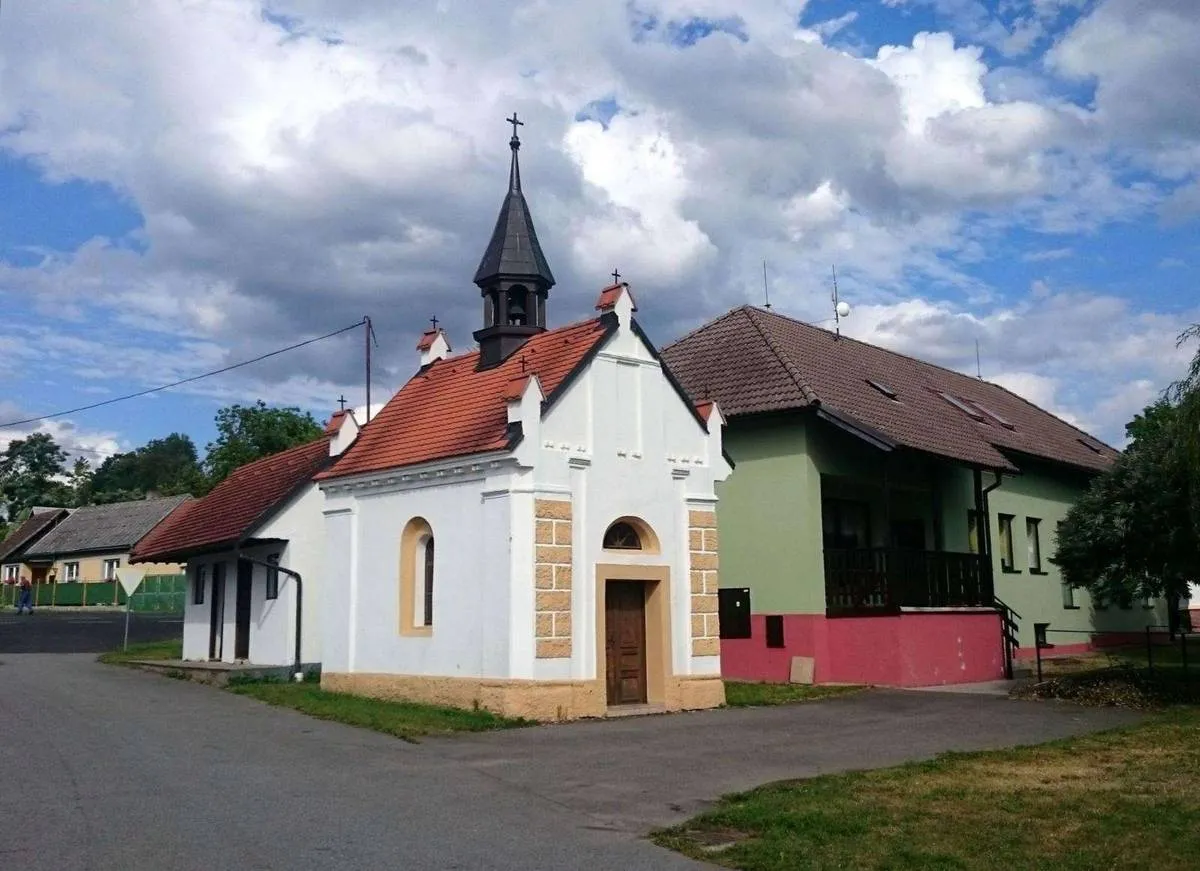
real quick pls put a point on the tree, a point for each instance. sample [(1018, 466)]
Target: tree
[(248, 433), (31, 472), (166, 466), (1136, 531), (81, 483)]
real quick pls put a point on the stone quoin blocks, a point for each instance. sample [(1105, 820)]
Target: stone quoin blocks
[(552, 577), (702, 558)]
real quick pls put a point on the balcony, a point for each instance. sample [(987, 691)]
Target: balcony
[(880, 579)]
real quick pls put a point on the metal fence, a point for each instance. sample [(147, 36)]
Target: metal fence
[(156, 593), (1157, 649)]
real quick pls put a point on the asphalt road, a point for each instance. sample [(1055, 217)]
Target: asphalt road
[(107, 768), (81, 630)]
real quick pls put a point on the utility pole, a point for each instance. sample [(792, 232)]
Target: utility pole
[(367, 338)]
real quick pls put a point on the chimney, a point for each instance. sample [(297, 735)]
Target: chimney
[(433, 346)]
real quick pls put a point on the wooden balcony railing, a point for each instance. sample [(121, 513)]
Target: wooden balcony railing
[(878, 578)]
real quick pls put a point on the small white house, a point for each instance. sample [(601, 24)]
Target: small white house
[(240, 608), (529, 526)]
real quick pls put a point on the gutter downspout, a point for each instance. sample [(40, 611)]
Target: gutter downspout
[(297, 672)]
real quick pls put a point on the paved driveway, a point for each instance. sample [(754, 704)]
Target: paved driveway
[(103, 768)]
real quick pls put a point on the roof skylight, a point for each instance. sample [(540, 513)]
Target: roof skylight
[(1004, 423), (1090, 445), (968, 410), (884, 389)]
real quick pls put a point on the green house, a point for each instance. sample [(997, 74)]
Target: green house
[(888, 521)]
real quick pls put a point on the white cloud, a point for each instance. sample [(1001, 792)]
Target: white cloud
[(292, 181)]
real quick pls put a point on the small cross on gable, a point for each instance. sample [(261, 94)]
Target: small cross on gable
[(342, 402), (616, 277)]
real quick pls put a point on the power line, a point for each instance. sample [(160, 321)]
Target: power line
[(275, 353)]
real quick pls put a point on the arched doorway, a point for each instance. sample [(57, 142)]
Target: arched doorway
[(634, 613)]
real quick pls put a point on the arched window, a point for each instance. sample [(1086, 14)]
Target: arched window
[(622, 536), (416, 578), (428, 590)]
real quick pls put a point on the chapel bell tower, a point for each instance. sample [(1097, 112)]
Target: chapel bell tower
[(513, 275)]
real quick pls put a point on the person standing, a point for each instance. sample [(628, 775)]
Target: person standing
[(25, 601)]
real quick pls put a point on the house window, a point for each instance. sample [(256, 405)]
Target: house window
[(1068, 596), (273, 577), (973, 531), (70, 572), (427, 619), (622, 536), (845, 524), (1006, 543), (1034, 542), (416, 578), (110, 569), (11, 572), (198, 584)]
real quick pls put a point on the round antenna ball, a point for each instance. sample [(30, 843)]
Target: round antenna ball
[(843, 309)]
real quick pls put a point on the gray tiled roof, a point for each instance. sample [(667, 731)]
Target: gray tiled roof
[(99, 528)]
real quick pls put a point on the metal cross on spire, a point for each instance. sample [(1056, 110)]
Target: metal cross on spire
[(342, 402), (616, 277), (514, 172), (434, 321)]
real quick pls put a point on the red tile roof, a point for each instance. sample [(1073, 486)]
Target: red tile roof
[(451, 409), (236, 507), (752, 361), (335, 422), (427, 338), (610, 295)]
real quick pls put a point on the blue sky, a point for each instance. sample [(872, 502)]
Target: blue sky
[(1022, 174)]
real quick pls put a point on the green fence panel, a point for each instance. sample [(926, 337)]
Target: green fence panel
[(102, 594), (68, 594)]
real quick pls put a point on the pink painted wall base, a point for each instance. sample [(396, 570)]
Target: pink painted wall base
[(918, 648)]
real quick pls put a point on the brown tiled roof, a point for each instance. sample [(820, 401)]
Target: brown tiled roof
[(236, 507), (35, 525), (751, 360), (450, 408)]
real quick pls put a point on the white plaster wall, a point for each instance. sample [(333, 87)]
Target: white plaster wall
[(654, 465), (623, 442), (195, 617), (471, 590), (301, 523), (272, 621)]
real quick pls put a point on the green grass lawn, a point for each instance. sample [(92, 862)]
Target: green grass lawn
[(1126, 799), (146, 650), (406, 720), (743, 694)]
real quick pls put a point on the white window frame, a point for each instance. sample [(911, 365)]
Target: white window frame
[(12, 571), (71, 572), (107, 574)]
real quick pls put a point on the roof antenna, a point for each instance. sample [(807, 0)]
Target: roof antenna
[(766, 291), (840, 309), (978, 368)]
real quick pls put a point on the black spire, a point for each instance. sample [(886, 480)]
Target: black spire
[(513, 275), (514, 250)]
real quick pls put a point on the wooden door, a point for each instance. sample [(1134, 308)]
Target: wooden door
[(625, 642), (241, 635), (216, 615)]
